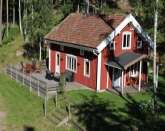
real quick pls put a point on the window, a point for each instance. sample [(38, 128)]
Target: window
[(86, 67), (134, 70), (61, 47), (71, 63), (139, 44), (81, 52), (126, 40), (112, 45)]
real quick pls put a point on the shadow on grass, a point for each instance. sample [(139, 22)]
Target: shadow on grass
[(27, 128), (98, 114)]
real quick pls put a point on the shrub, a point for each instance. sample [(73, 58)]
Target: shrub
[(62, 84)]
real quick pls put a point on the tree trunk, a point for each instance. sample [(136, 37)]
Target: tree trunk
[(7, 17), (155, 41), (25, 16), (40, 58), (20, 19), (13, 12), (1, 22), (87, 8)]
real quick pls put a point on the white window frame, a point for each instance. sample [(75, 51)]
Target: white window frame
[(134, 70), (81, 52), (66, 65), (113, 42), (86, 60), (139, 42), (126, 33)]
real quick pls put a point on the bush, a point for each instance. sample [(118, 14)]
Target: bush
[(13, 31), (62, 84)]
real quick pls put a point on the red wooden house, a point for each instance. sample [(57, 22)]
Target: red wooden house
[(103, 52)]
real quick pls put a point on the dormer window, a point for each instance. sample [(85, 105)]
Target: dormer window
[(126, 40), (82, 52), (112, 45), (139, 43), (61, 47)]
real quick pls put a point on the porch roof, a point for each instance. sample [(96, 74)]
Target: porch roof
[(126, 60)]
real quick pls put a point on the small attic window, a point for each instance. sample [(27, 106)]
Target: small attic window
[(82, 52), (139, 44), (61, 47), (112, 45)]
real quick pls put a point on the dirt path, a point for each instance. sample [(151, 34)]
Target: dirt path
[(2, 117)]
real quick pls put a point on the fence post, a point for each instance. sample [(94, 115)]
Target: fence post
[(45, 107), (30, 83), (38, 88), (23, 76), (16, 75), (56, 98), (11, 71)]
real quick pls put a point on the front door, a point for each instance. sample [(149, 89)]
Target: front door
[(116, 78), (57, 63)]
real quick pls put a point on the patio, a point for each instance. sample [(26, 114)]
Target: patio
[(41, 81), (127, 90), (35, 81)]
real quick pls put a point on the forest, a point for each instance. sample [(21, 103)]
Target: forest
[(36, 17), (23, 25)]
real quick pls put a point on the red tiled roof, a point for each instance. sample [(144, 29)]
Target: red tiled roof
[(84, 30)]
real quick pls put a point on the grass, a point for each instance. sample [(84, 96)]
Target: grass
[(9, 48), (25, 109)]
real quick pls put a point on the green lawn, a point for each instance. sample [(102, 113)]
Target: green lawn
[(94, 111), (10, 46)]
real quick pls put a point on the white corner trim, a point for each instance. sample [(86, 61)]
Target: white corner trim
[(49, 58), (107, 79), (98, 72), (119, 28)]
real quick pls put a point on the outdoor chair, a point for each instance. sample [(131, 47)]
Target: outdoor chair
[(28, 68), (128, 80), (57, 77), (38, 68), (69, 76), (33, 65), (49, 75), (22, 66)]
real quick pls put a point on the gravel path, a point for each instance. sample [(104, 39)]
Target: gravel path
[(2, 116)]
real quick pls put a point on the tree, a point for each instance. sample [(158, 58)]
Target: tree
[(13, 12), (1, 21), (40, 20), (20, 18), (7, 17)]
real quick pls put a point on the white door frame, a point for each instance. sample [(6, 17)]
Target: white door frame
[(57, 67), (113, 78)]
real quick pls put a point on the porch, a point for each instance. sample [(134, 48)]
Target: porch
[(128, 73)]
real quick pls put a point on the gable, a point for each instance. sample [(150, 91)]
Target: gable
[(129, 19)]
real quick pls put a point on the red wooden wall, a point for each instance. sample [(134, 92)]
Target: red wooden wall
[(79, 75), (107, 54)]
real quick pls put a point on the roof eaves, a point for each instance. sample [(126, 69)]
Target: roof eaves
[(91, 49)]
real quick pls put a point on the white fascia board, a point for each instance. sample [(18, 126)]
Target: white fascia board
[(98, 72), (119, 28)]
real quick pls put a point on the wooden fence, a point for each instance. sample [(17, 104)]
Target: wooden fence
[(34, 84)]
